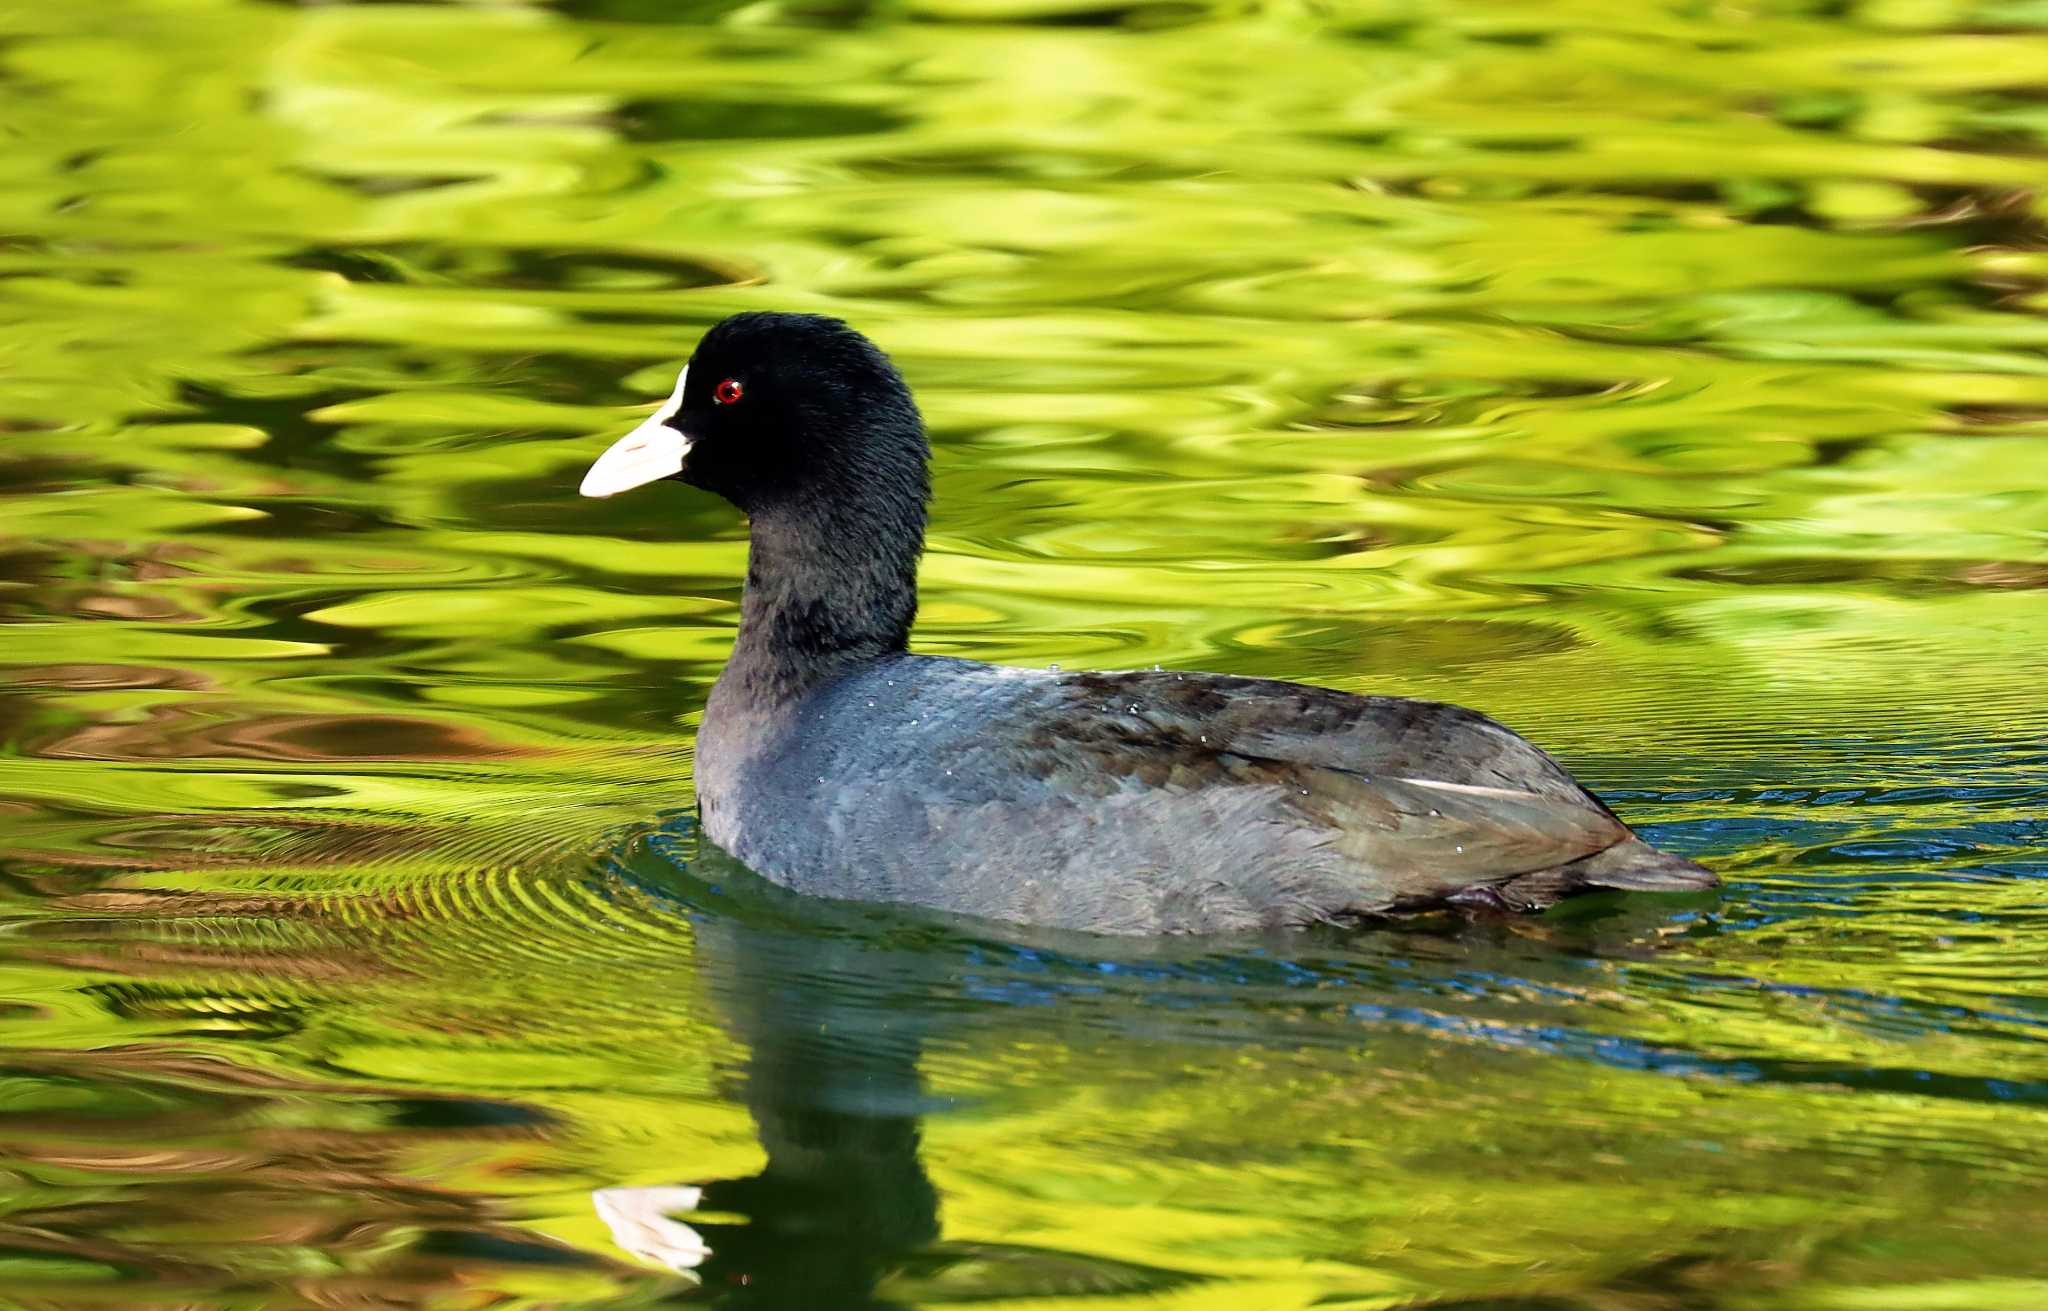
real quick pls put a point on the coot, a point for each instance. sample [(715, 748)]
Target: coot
[(837, 763)]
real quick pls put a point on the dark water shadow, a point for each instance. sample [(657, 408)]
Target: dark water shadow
[(836, 1005)]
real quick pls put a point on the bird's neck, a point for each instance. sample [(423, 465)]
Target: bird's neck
[(829, 588)]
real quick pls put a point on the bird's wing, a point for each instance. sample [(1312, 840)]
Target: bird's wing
[(1430, 798)]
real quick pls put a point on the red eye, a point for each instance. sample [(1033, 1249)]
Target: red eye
[(727, 392)]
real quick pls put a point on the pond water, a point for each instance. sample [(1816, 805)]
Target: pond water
[(1667, 379)]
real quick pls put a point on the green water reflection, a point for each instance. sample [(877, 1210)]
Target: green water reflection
[(1669, 380)]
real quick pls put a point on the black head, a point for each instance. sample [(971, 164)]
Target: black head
[(780, 412)]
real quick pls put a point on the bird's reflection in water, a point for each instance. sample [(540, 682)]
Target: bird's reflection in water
[(835, 1005), (843, 1198)]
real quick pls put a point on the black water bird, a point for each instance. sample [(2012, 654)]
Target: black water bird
[(837, 763)]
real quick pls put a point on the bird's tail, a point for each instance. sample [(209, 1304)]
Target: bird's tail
[(1630, 864), (1636, 866)]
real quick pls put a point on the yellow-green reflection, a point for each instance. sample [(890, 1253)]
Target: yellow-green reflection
[(1671, 381)]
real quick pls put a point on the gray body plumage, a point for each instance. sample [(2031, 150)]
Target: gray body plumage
[(1149, 802)]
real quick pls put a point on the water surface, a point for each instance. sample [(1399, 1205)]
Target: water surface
[(1668, 380)]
